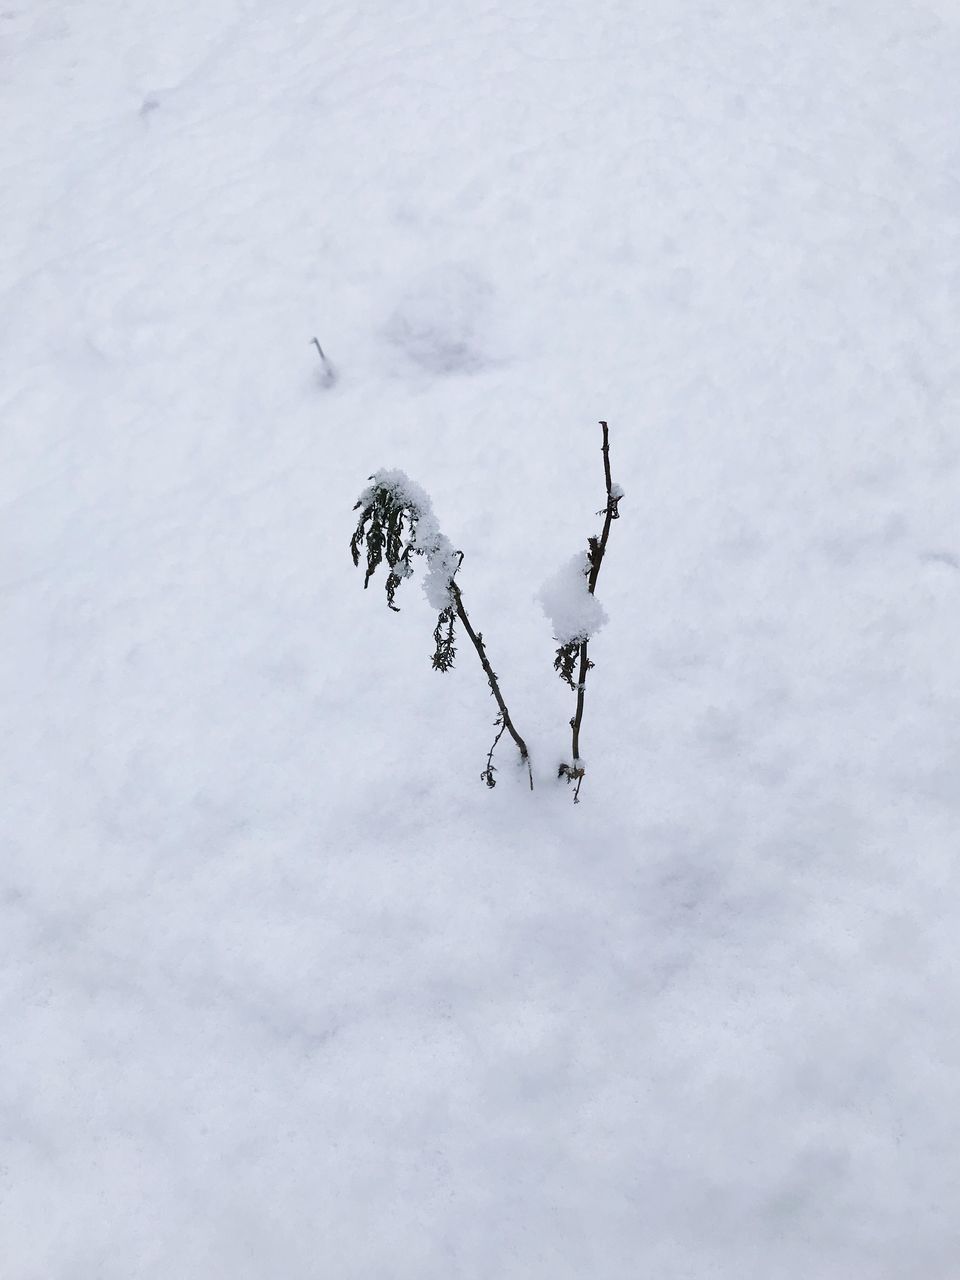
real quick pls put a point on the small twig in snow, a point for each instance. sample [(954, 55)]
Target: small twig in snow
[(328, 375)]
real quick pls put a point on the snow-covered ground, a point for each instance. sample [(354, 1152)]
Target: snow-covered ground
[(285, 990)]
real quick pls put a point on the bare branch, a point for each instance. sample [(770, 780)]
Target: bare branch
[(596, 550), (477, 640)]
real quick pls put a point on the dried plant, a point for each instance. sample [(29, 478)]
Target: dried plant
[(571, 656), (396, 523)]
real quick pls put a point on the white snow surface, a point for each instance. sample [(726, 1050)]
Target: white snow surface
[(285, 990), (574, 613)]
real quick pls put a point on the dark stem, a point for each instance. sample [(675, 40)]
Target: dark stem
[(477, 641), (329, 374), (489, 771), (581, 689), (598, 547)]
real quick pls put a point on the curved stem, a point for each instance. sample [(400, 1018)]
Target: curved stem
[(489, 672)]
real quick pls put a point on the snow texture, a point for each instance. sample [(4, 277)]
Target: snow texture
[(442, 324), (574, 613), (285, 991)]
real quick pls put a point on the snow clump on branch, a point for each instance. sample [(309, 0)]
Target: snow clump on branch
[(442, 558), (574, 613)]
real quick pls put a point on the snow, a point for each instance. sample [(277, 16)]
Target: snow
[(285, 989), (574, 613)]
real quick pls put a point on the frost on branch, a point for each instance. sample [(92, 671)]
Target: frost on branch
[(574, 613), (396, 523)]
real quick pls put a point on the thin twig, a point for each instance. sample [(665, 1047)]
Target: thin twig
[(596, 552), (329, 375), (477, 641), (490, 770)]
